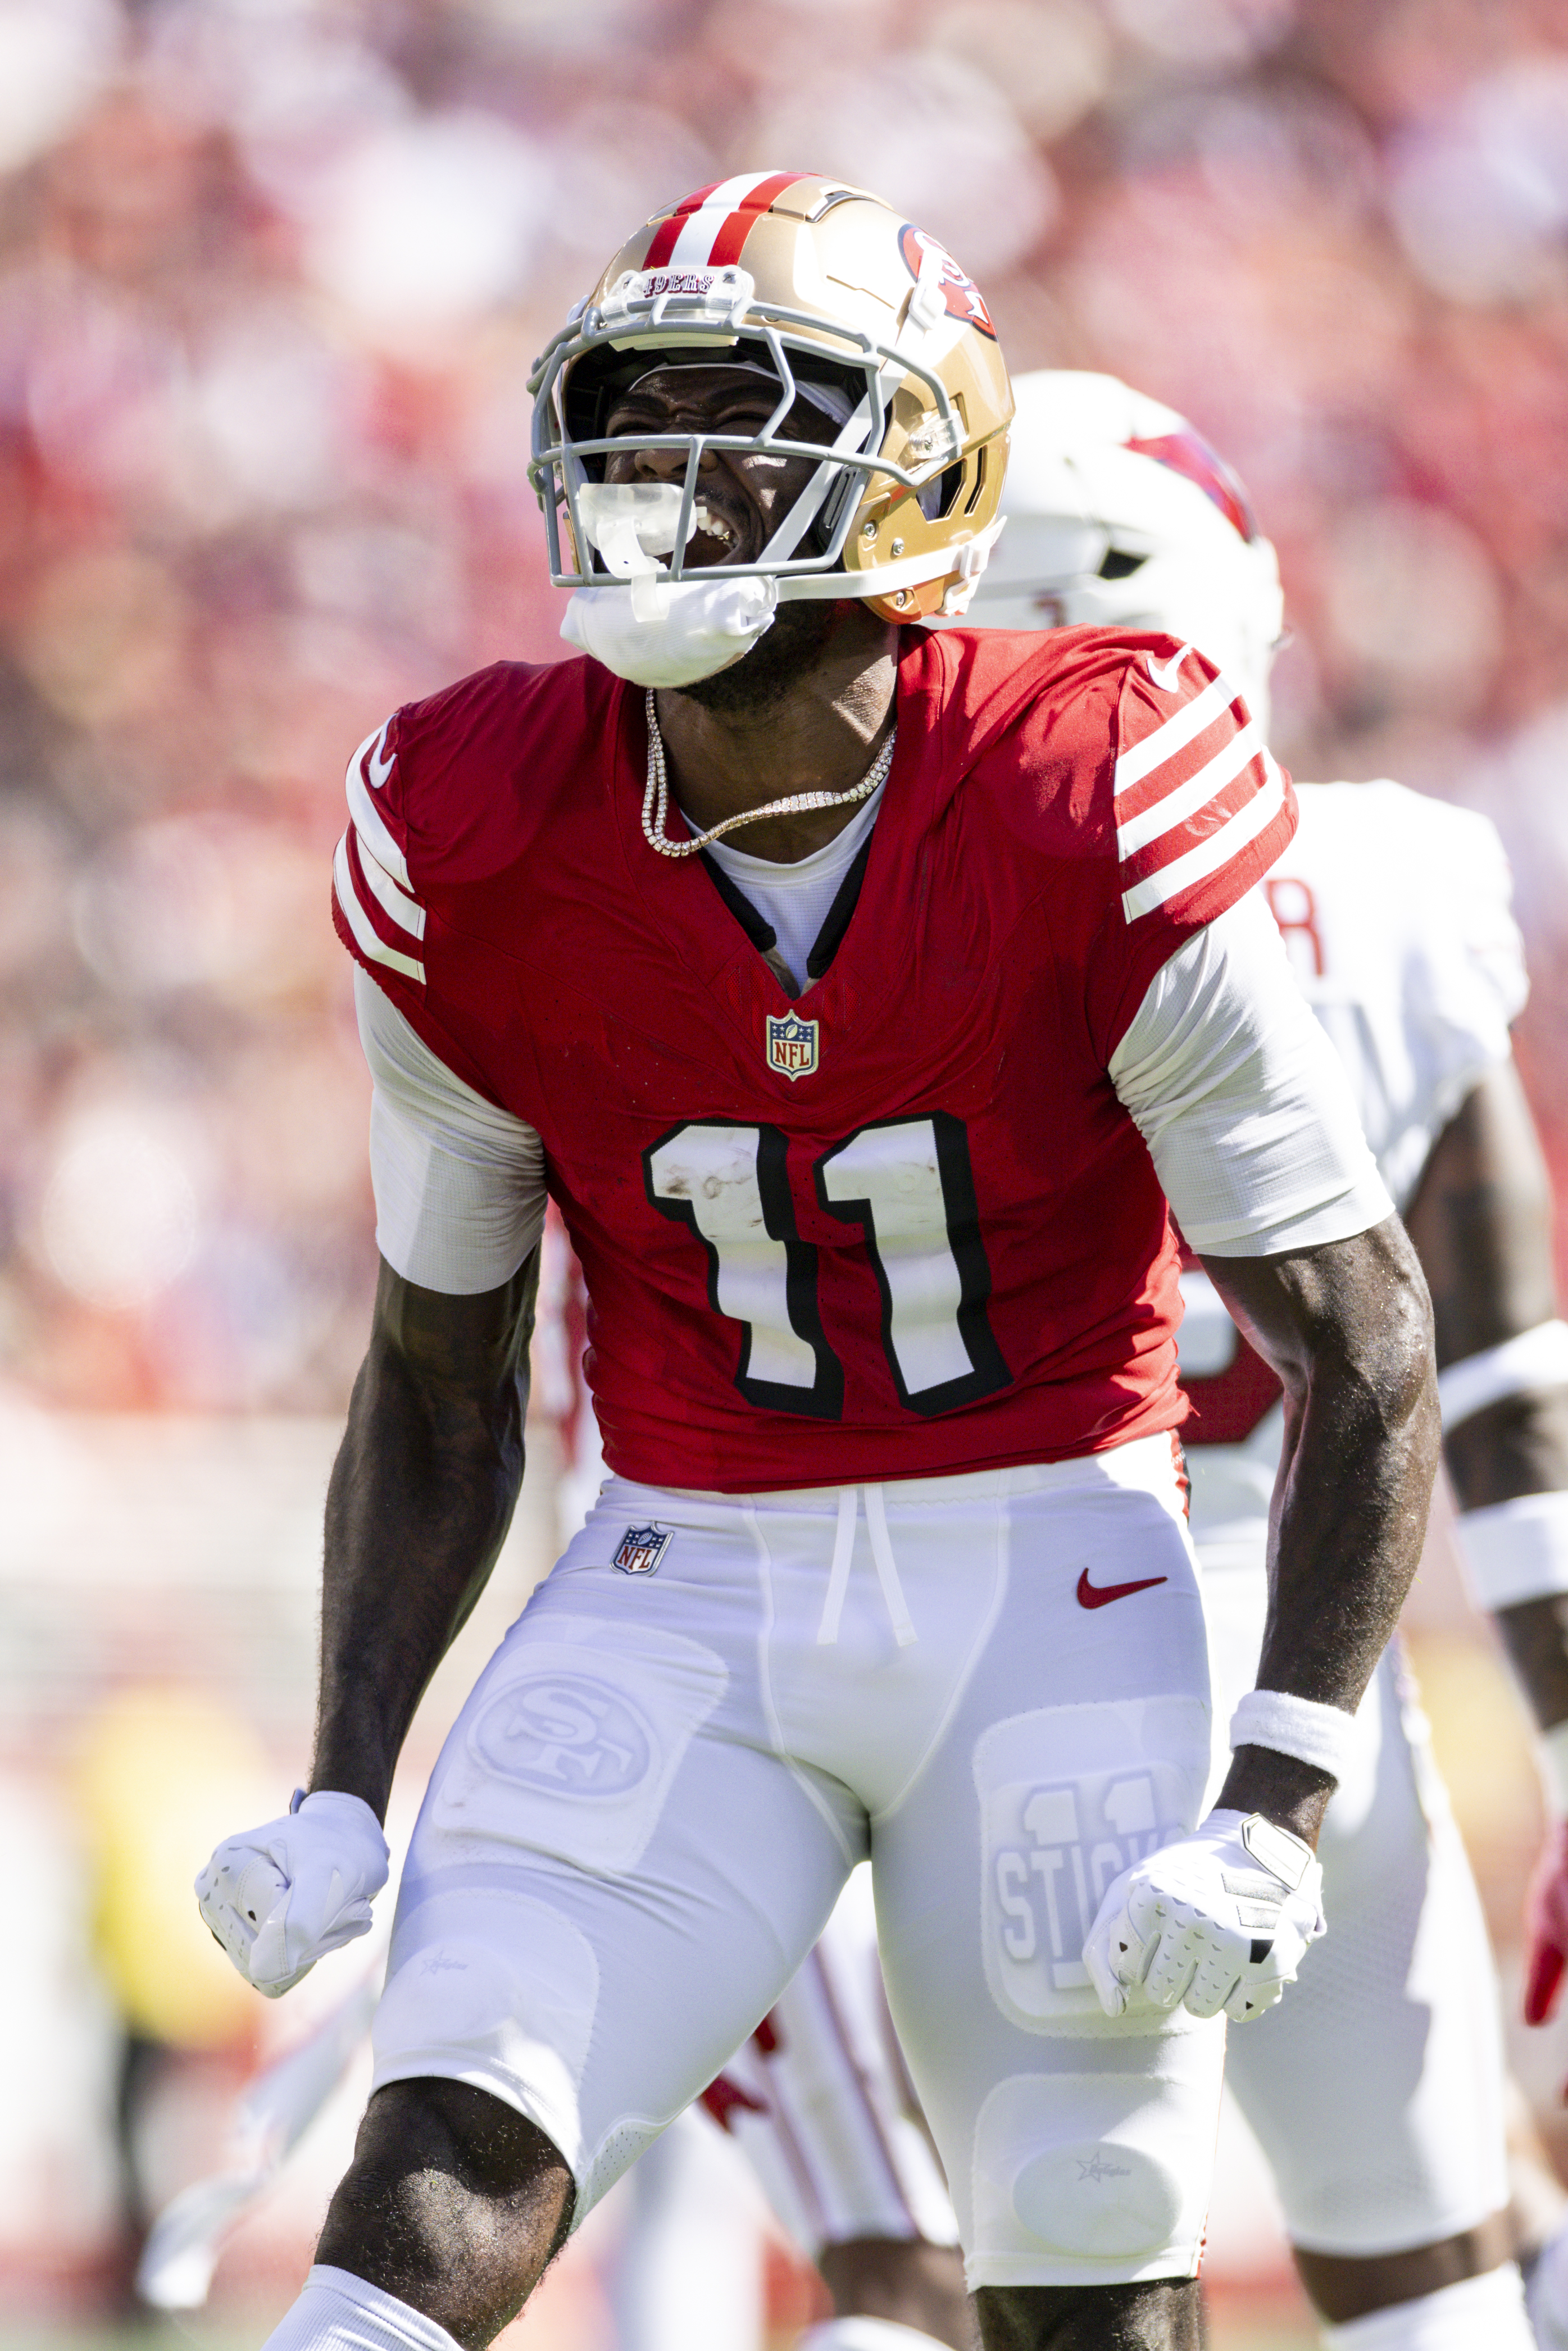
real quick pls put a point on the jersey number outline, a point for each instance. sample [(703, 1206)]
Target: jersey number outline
[(909, 1186)]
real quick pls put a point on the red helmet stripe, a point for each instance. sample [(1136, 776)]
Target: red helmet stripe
[(1188, 453), (727, 243), (701, 233), (665, 235)]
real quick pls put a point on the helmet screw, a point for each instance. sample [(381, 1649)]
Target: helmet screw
[(902, 598), (868, 530), (898, 547)]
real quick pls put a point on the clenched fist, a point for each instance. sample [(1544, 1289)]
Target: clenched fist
[(279, 1898), (1219, 1920)]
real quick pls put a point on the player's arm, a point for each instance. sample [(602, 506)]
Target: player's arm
[(1481, 1220), (1347, 1327), (421, 1495), (1253, 1130)]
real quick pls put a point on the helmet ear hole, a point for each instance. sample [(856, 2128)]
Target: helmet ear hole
[(940, 498), (1118, 564)]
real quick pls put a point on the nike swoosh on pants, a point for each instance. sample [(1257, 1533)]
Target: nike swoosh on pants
[(1098, 1596)]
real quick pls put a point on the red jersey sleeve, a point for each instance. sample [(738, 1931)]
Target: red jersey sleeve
[(1200, 809), (379, 915), (405, 821)]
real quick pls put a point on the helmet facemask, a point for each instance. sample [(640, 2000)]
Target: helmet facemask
[(626, 522), (577, 382)]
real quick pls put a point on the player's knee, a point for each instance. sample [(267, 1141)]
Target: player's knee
[(443, 2176)]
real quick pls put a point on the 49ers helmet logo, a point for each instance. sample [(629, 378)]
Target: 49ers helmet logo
[(924, 258)]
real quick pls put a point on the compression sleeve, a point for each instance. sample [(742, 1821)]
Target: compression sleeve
[(459, 1184), (1242, 1102)]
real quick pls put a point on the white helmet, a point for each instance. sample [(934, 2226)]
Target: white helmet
[(1121, 515)]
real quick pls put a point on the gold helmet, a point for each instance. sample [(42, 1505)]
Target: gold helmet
[(830, 292)]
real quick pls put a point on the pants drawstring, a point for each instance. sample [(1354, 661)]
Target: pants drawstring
[(839, 1574), (898, 1614), (882, 1554)]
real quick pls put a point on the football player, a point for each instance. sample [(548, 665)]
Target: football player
[(1377, 2089), (864, 1133)]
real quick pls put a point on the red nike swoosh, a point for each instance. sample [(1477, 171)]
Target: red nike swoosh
[(1096, 1595)]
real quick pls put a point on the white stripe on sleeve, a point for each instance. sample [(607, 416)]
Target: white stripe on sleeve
[(1182, 728), (368, 939), (459, 1184), (1237, 833), (1242, 1100), (405, 910), (1186, 799), (368, 821)]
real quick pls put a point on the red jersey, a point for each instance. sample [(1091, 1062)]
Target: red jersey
[(901, 1226)]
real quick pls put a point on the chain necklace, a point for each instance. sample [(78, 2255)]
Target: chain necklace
[(656, 798)]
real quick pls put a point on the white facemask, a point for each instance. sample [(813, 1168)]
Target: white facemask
[(647, 627)]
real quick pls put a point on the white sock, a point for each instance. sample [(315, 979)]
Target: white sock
[(339, 2311), (866, 2335), (1479, 2313)]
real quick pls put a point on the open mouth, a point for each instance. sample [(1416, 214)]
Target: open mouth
[(717, 538)]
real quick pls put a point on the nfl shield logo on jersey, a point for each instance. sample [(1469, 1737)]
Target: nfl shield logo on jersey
[(642, 1548), (792, 1046)]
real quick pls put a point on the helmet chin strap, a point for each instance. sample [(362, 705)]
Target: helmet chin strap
[(655, 631), (656, 798), (670, 633)]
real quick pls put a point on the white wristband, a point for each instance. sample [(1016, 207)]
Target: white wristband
[(1551, 1760), (1515, 1551), (1531, 1359), (1317, 1734)]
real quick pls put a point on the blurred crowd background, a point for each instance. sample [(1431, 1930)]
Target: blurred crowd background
[(272, 277)]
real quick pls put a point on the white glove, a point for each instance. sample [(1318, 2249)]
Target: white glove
[(279, 1898), (1219, 1920)]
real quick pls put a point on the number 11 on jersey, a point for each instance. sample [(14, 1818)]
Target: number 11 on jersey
[(908, 1184)]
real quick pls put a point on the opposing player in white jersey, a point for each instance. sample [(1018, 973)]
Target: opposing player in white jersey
[(1376, 2092), (1394, 2180)]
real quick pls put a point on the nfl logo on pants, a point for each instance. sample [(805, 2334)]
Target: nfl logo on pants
[(642, 1548), (792, 1046)]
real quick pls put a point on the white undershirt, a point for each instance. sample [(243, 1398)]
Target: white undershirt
[(1240, 1098), (797, 899)]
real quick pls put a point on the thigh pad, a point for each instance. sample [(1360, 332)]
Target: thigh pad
[(569, 1742), (1102, 2175), (1070, 1796)]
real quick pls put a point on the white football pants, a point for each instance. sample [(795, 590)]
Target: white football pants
[(1374, 2088), (659, 1785), (820, 2102)]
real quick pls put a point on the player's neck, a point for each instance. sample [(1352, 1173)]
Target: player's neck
[(819, 733)]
